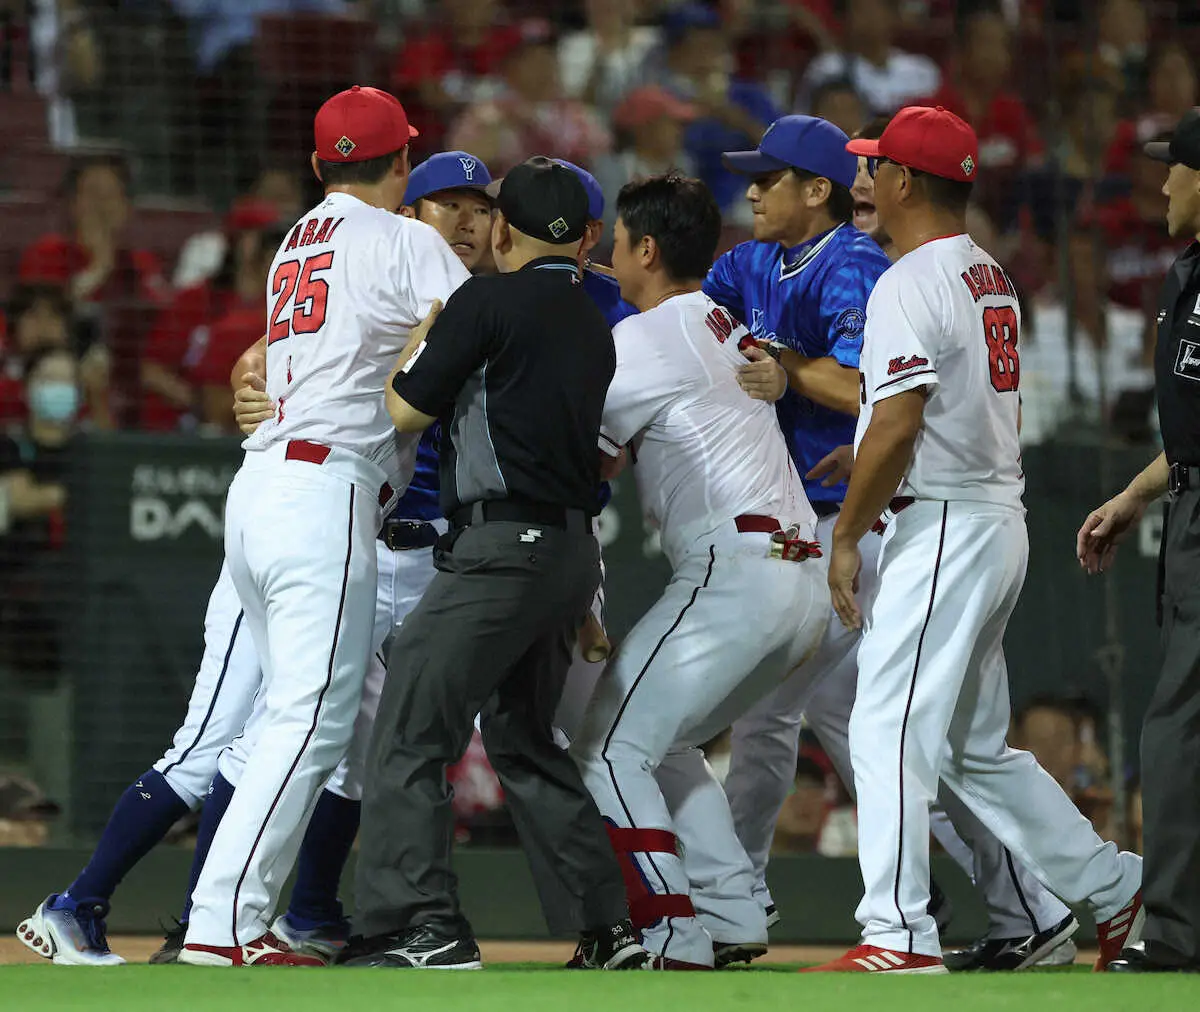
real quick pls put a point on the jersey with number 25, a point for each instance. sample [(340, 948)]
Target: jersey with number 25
[(345, 289), (946, 317)]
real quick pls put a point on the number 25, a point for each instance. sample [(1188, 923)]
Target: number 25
[(1004, 361), (294, 280)]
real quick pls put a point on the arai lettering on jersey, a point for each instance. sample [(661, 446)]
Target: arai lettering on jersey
[(308, 234), (987, 279)]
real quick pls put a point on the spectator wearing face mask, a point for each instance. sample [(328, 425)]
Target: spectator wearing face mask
[(33, 472), (39, 318)]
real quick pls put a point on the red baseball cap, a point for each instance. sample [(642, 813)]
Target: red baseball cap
[(929, 140), (649, 103), (359, 124)]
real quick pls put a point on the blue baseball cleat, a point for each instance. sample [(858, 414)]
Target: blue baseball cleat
[(325, 941)]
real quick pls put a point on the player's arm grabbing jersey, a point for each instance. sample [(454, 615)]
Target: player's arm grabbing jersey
[(704, 452), (812, 299), (345, 289), (946, 319)]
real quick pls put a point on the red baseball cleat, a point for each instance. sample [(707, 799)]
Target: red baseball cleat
[(264, 951), (1125, 928), (872, 959)]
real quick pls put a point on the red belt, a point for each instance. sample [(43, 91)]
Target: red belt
[(898, 505), (318, 453)]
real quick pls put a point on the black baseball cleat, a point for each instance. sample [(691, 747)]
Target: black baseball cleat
[(1136, 959), (1011, 954), (172, 944), (613, 948), (419, 948), (727, 953)]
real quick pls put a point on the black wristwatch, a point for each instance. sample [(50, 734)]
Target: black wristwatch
[(773, 349)]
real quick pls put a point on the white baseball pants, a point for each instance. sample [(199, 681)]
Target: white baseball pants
[(933, 703), (730, 626), (300, 544), (765, 745)]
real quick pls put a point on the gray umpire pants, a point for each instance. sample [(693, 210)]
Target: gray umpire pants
[(1171, 752), (492, 635)]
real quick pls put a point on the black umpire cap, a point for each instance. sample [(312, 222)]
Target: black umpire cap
[(1184, 146), (544, 200)]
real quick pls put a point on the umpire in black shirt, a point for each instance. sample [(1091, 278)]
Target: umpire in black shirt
[(1171, 733), (517, 365)]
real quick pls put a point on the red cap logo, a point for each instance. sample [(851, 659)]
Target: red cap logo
[(359, 124)]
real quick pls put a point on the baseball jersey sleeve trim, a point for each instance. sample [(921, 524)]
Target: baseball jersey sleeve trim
[(898, 384)]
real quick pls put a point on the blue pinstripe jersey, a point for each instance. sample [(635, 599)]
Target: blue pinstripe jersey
[(420, 500), (813, 299)]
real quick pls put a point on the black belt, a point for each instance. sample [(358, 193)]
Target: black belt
[(523, 511), (1182, 477), (405, 535), (824, 509)]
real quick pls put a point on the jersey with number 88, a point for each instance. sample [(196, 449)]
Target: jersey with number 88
[(945, 317), (345, 289)]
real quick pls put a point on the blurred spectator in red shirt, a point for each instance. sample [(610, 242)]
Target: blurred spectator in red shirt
[(228, 338), (978, 88), (203, 253), (529, 117), (1122, 250), (603, 61), (887, 77), (454, 62), (172, 395), (650, 124), (837, 101), (113, 286)]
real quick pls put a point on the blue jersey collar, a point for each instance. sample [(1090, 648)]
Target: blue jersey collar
[(794, 260)]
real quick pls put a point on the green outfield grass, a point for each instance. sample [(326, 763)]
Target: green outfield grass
[(542, 988)]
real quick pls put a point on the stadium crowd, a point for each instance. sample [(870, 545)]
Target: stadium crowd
[(157, 148)]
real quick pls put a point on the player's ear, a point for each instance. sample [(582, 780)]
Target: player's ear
[(648, 251), (501, 234), (402, 162), (820, 189), (408, 211), (316, 166)]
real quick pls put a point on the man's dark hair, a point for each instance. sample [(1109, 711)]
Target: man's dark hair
[(368, 172), (25, 297), (944, 194), (82, 163), (682, 217), (840, 204), (874, 128), (832, 87)]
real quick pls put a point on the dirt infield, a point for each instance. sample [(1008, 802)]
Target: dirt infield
[(137, 949)]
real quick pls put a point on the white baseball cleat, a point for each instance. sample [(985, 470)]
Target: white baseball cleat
[(69, 932)]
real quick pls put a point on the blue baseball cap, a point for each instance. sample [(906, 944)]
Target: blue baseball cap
[(594, 193), (447, 170), (798, 142)]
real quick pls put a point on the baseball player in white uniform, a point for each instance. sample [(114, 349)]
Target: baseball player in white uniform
[(936, 453), (743, 608), (346, 289), (440, 193)]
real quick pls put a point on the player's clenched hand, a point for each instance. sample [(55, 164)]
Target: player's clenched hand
[(844, 565), (834, 467), (251, 405), (610, 467), (1104, 529), (764, 378)]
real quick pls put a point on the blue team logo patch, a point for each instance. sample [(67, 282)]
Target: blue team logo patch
[(851, 323)]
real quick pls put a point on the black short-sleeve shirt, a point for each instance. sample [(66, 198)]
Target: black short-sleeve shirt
[(1177, 360), (517, 366)]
